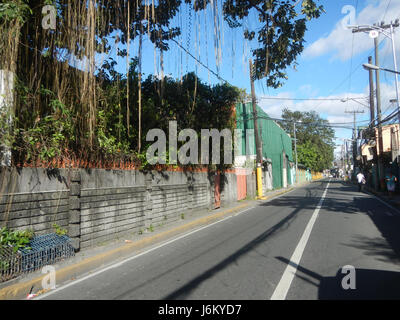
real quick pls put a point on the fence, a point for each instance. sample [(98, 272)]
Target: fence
[(43, 250), (316, 175)]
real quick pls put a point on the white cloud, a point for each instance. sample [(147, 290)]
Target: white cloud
[(332, 110), (343, 43), (328, 107)]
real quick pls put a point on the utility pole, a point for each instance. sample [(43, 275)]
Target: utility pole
[(372, 124), (378, 110), (354, 112), (256, 133), (371, 94), (295, 150), (343, 159), (374, 32), (346, 152), (395, 66)]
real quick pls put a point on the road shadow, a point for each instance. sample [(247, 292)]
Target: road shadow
[(344, 198), (347, 202), (185, 290), (330, 287), (370, 284), (377, 247), (387, 221), (298, 204)]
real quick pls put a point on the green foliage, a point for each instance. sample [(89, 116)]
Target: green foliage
[(308, 155), (315, 138), (280, 39), (59, 231), (50, 135), (16, 239), (14, 10), (4, 265), (51, 120)]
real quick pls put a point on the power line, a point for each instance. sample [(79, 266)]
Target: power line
[(332, 125), (201, 63), (309, 99), (387, 7)]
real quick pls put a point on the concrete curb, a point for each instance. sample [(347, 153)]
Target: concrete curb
[(21, 289)]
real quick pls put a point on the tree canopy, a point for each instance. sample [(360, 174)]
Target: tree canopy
[(60, 106), (280, 36), (315, 138)]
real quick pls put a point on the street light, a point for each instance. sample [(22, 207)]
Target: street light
[(352, 99), (374, 32), (368, 66)]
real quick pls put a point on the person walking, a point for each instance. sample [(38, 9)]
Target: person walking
[(391, 183), (361, 181)]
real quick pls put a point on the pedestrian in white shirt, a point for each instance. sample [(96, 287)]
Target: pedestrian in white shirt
[(360, 180)]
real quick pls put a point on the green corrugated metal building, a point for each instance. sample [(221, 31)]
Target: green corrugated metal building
[(276, 143)]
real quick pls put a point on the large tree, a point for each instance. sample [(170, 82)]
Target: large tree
[(279, 36), (315, 138)]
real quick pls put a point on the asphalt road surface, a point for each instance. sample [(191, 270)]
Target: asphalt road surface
[(293, 247)]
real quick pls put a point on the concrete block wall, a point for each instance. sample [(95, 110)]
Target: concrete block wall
[(98, 205), (34, 198), (251, 184), (107, 212), (169, 202), (228, 188), (34, 211)]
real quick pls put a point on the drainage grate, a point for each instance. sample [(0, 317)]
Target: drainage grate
[(46, 249)]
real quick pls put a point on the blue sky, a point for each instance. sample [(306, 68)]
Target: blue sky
[(330, 66)]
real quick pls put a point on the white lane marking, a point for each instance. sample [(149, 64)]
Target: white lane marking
[(388, 205), (118, 264), (284, 284)]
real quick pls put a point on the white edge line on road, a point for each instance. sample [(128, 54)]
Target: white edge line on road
[(118, 264), (387, 204), (284, 284)]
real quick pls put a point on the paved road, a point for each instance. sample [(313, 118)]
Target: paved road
[(292, 246)]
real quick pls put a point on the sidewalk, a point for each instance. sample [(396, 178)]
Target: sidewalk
[(90, 260)]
